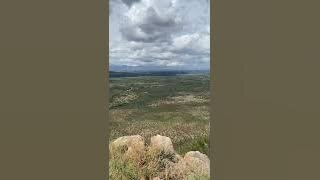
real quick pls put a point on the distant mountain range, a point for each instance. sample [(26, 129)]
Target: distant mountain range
[(153, 73), (124, 68)]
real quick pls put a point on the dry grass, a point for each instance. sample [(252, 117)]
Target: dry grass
[(120, 115), (148, 165), (180, 133), (176, 107), (201, 112), (124, 99), (178, 100)]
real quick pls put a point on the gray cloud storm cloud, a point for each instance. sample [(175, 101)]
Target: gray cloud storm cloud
[(160, 33)]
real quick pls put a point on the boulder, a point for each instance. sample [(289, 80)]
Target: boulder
[(197, 162), (178, 170), (130, 146), (162, 143), (192, 164)]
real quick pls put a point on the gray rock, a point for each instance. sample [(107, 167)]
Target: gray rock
[(162, 143), (198, 162), (131, 146)]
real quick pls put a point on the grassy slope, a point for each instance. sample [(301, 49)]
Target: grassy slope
[(173, 106)]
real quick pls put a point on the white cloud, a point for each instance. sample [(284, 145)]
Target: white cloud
[(184, 41), (159, 33)]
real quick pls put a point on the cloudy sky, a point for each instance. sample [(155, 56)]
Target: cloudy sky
[(160, 33)]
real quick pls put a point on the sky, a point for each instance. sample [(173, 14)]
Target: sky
[(159, 34)]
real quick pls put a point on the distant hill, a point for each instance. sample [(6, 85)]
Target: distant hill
[(136, 74), (154, 73), (149, 68)]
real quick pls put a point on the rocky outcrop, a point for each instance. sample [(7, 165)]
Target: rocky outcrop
[(197, 162), (159, 160), (162, 143), (129, 147)]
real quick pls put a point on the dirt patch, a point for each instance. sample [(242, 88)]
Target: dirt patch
[(119, 115)]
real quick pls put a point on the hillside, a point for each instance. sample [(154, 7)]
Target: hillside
[(173, 106)]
